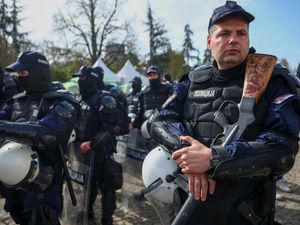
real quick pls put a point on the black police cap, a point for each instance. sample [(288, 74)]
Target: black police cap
[(230, 8), (86, 71), (26, 59), (99, 71)]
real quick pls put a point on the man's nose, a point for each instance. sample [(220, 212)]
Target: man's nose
[(233, 38)]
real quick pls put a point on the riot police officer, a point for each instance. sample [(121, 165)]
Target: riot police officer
[(153, 96), (8, 87), (100, 121), (37, 124), (108, 87), (133, 97), (233, 178)]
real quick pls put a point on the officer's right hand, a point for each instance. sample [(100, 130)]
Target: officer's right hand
[(85, 147), (200, 184)]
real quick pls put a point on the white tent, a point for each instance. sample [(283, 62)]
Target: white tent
[(127, 73), (108, 74)]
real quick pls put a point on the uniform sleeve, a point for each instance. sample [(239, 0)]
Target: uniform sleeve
[(139, 119), (62, 116), (6, 110), (273, 150), (175, 107), (166, 126), (281, 126)]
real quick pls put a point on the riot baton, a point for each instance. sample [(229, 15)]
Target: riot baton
[(67, 176), (259, 69)]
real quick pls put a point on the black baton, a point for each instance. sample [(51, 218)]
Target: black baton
[(67, 176)]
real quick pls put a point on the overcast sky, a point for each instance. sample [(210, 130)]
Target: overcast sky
[(274, 31)]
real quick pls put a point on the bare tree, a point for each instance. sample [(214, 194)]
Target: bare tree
[(89, 24)]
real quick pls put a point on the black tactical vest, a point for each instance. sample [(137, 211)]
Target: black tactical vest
[(155, 97), (26, 109), (206, 95), (133, 102), (88, 123)]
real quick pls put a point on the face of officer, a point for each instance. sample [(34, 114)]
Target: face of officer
[(154, 79), (87, 84), (23, 78), (228, 40), (35, 81)]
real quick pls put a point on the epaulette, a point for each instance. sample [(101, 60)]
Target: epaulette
[(65, 94), (201, 73)]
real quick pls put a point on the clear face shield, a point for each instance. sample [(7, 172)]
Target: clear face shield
[(162, 180)]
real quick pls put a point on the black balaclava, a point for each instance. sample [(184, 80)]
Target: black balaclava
[(100, 73), (100, 84), (155, 82), (136, 85), (88, 86), (37, 82)]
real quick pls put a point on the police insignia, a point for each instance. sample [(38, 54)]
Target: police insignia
[(231, 4), (204, 94)]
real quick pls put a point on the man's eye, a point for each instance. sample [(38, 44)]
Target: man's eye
[(224, 34), (242, 33)]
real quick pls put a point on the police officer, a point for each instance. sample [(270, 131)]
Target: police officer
[(8, 87), (153, 96), (43, 119), (133, 97), (235, 181), (99, 122), (167, 79), (108, 87)]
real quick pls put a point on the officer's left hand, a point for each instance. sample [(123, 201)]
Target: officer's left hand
[(193, 159), (85, 147), (200, 185)]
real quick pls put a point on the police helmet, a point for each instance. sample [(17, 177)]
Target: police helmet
[(21, 167), (144, 130), (158, 164)]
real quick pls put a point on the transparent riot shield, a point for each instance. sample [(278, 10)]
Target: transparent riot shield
[(161, 180), (80, 169), (164, 210)]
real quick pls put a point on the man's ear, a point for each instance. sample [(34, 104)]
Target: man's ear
[(208, 40)]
